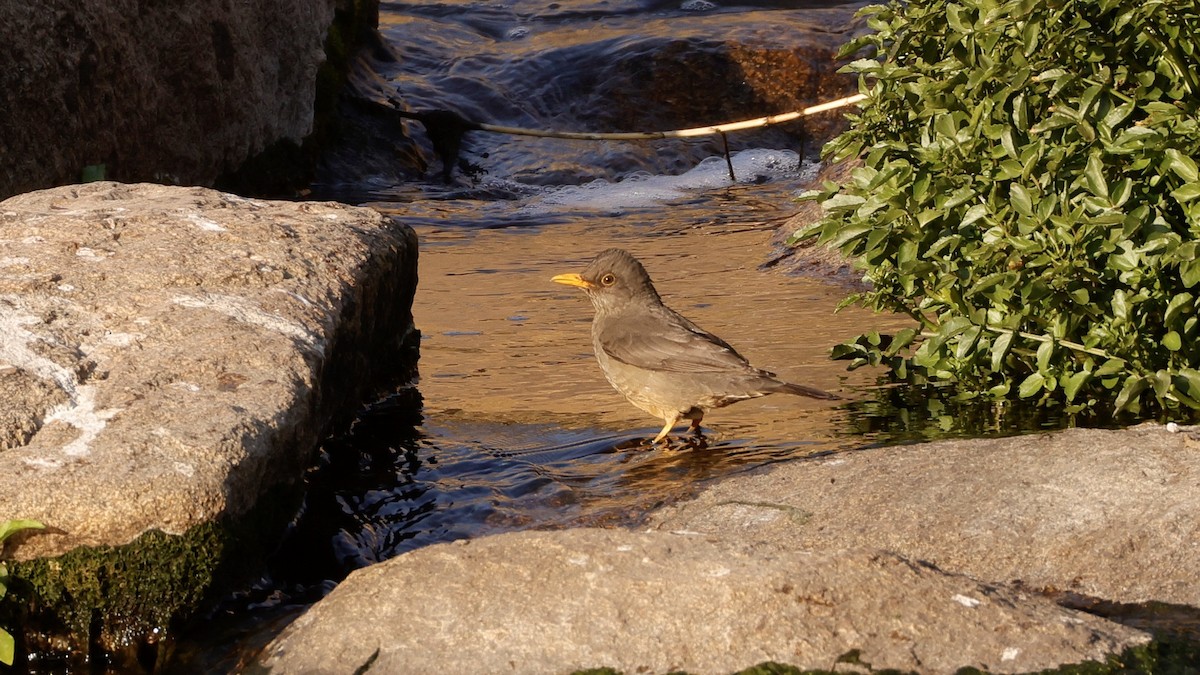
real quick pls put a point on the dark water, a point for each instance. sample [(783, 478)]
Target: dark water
[(605, 66), (510, 425)]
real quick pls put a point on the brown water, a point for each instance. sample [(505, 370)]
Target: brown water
[(508, 353), (511, 424), (503, 344)]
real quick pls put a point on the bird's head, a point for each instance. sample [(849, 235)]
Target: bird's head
[(612, 280)]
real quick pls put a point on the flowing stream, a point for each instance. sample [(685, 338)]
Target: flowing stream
[(511, 424)]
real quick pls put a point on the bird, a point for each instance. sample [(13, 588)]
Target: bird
[(659, 360)]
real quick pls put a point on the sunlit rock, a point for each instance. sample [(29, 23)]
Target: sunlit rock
[(171, 356), (656, 602)]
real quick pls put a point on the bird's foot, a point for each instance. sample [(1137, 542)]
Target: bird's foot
[(661, 442), (680, 442)]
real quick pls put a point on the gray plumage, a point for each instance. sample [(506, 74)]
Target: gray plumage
[(658, 359)]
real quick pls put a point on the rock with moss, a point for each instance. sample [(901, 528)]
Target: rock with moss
[(186, 350)]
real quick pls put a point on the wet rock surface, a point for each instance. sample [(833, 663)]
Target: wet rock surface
[(170, 92), (1107, 514), (554, 602), (169, 354)]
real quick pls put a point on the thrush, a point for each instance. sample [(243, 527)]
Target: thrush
[(663, 363)]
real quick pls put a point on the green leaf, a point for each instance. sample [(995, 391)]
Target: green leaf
[(974, 213), (1031, 385), (1161, 381), (1117, 115), (1186, 193), (1073, 384), (849, 233), (1094, 173), (11, 527), (1172, 341), (842, 202), (1189, 272), (7, 648), (959, 196), (1000, 347), (1045, 352), (863, 66), (1050, 75), (1110, 367), (954, 18), (1182, 165), (902, 339), (1191, 379), (1132, 389), (966, 342), (1177, 305), (1021, 200), (845, 350)]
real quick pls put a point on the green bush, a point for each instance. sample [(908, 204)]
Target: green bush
[(1029, 196)]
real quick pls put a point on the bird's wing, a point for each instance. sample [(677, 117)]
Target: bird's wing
[(667, 343)]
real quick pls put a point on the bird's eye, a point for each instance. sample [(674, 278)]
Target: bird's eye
[(608, 280)]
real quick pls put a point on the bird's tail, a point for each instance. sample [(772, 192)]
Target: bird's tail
[(801, 390)]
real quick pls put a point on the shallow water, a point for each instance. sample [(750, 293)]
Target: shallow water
[(511, 424)]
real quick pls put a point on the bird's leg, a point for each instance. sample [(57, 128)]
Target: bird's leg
[(666, 429), (696, 427)]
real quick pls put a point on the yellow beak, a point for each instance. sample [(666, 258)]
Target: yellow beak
[(571, 280)]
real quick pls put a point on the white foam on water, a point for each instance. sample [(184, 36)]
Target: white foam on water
[(642, 190)]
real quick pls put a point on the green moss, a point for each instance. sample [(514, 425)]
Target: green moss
[(118, 604), (146, 583)]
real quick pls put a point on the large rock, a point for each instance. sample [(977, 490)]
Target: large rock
[(1108, 514), (177, 92), (555, 602), (909, 555), (170, 355)]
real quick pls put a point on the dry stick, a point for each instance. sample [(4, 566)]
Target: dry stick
[(678, 133), (460, 125), (728, 158)]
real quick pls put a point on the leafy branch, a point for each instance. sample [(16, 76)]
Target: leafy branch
[(1029, 194)]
